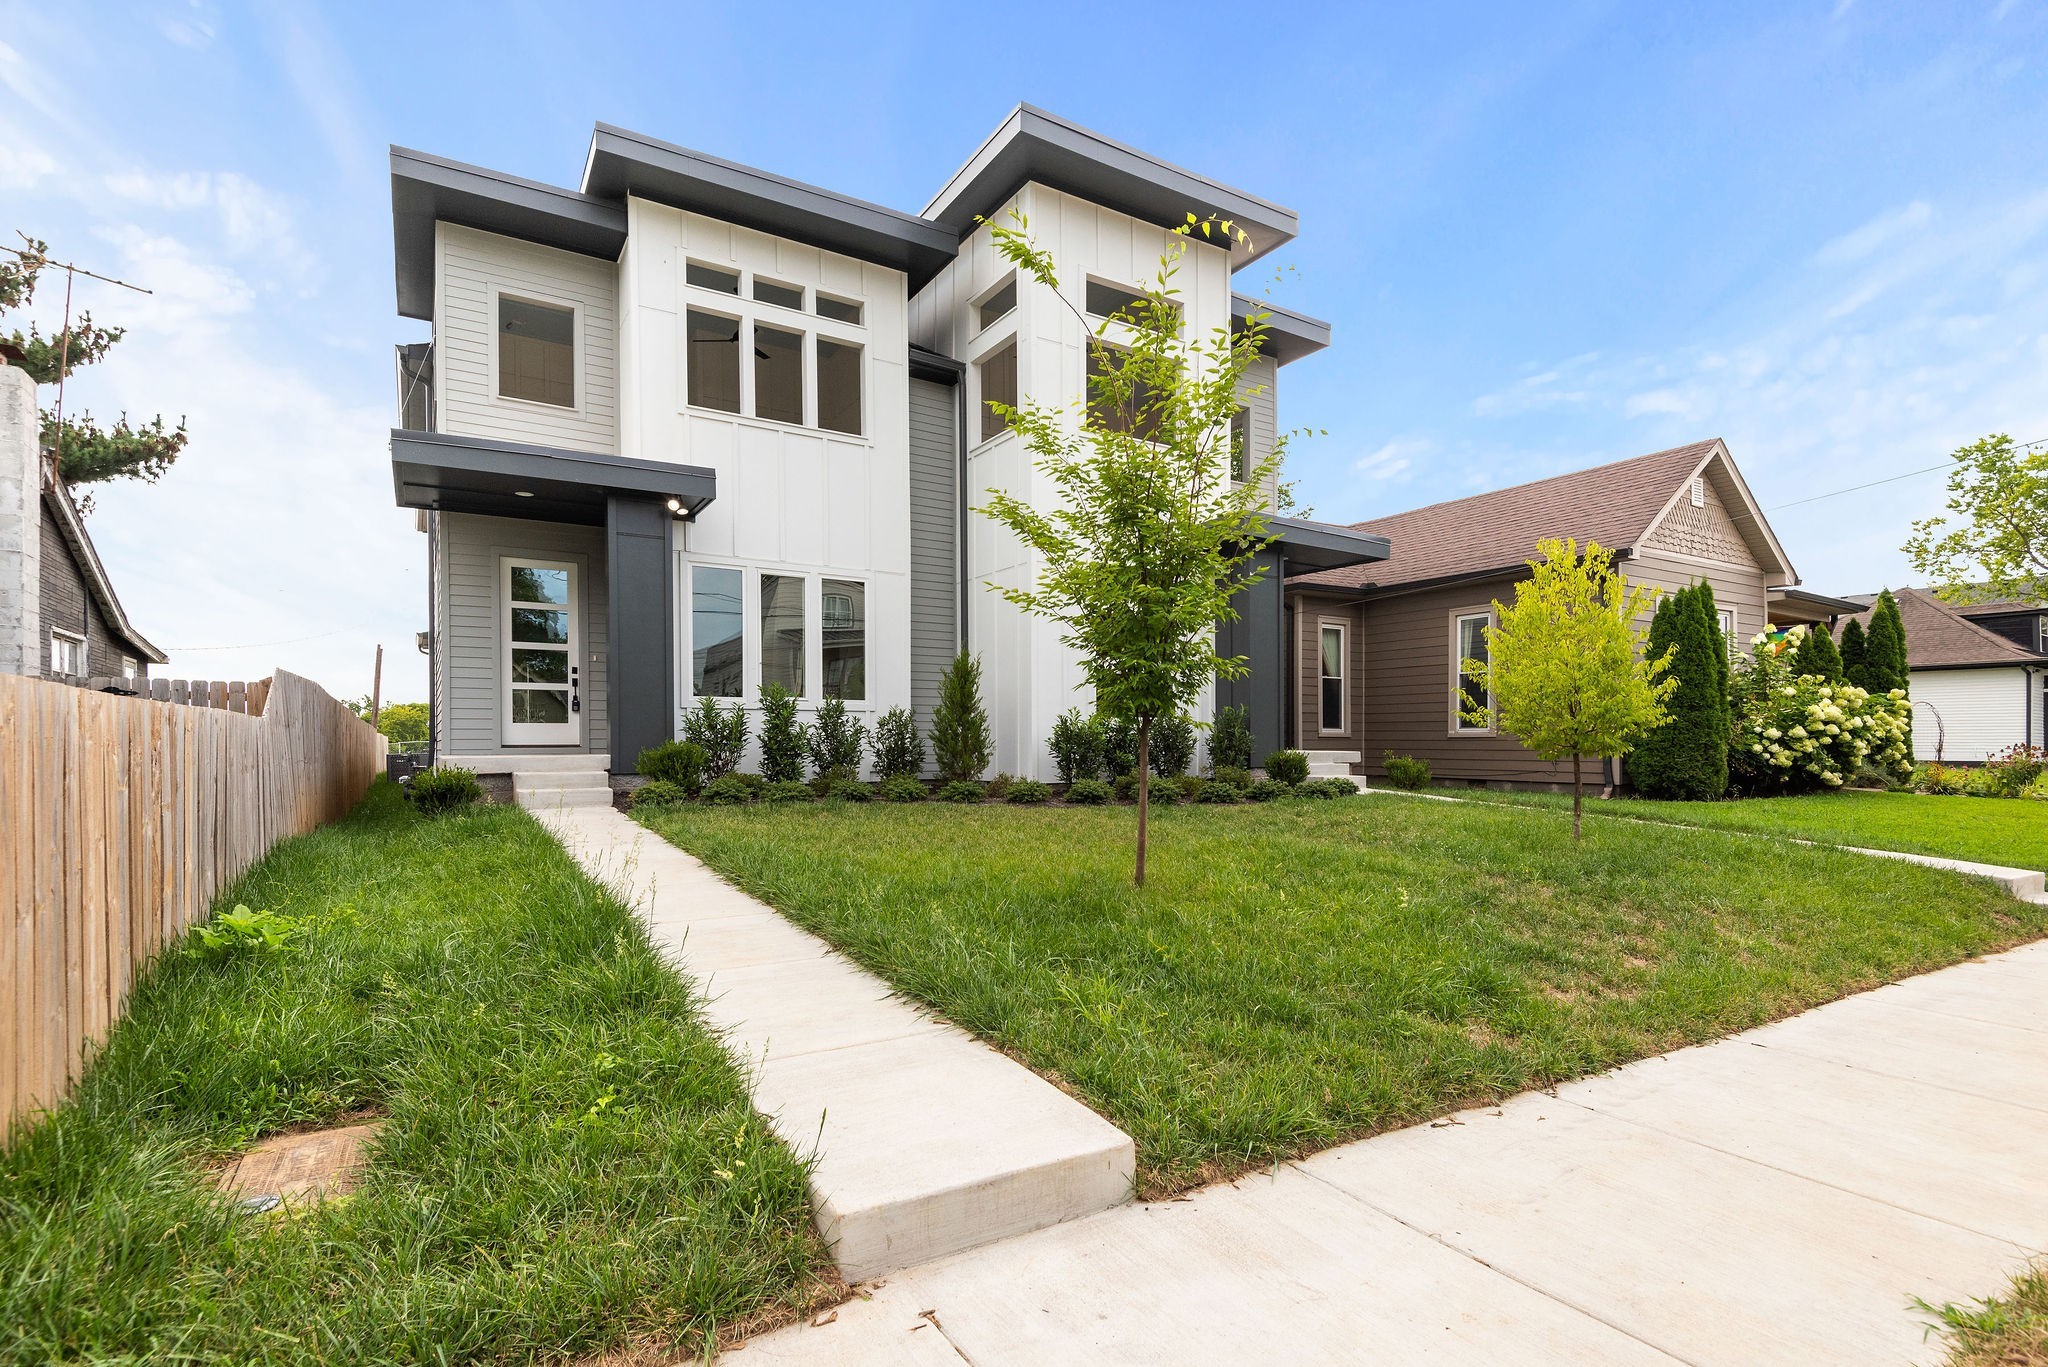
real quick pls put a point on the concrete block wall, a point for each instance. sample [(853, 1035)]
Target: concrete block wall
[(21, 530)]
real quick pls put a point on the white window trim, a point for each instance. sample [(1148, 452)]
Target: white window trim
[(975, 327), (1458, 726), (57, 634), (746, 311), (1728, 623), (750, 633), (523, 295), (985, 347), (1343, 630)]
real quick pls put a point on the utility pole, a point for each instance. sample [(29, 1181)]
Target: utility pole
[(377, 689)]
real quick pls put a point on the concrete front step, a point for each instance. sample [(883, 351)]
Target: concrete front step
[(590, 778), (927, 1142), (546, 799), (517, 763)]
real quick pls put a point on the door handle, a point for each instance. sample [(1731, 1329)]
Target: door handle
[(575, 691)]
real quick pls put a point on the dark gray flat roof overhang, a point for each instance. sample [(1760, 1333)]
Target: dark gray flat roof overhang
[(1305, 546), (1289, 335), (426, 188), (623, 163), (1033, 145), (1818, 602), (544, 483)]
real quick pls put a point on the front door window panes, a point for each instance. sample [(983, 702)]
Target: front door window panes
[(843, 619), (540, 645), (717, 633), (782, 631)]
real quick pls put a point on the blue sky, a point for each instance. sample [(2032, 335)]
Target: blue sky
[(1547, 236)]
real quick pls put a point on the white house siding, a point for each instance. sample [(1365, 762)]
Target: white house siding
[(468, 586), (791, 499), (1029, 676), (1969, 715), (471, 269)]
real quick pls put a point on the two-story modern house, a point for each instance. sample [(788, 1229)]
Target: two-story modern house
[(692, 427)]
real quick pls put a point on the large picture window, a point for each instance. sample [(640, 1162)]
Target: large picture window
[(536, 352), (838, 386), (782, 631), (843, 623), (778, 374), (717, 633), (1468, 642)]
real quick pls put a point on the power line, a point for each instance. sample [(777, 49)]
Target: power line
[(1889, 479)]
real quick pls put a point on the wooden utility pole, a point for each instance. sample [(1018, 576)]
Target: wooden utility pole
[(377, 689)]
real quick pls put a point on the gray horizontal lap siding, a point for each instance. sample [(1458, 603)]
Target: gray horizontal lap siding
[(471, 679), (1263, 376), (934, 542)]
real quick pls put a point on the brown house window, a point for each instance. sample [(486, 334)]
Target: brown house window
[(1468, 642), (1331, 656)]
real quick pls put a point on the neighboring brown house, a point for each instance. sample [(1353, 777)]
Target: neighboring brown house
[(85, 631), (1977, 674), (1376, 647)]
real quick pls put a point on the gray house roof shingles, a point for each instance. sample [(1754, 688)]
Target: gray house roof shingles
[(1939, 636)]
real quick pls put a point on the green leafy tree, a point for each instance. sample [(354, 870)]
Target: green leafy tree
[(404, 722), (1566, 667), (1687, 759), (1816, 655), (1997, 548), (89, 451), (1145, 538), (1854, 650), (961, 745)]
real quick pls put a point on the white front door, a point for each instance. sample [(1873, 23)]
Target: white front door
[(543, 648)]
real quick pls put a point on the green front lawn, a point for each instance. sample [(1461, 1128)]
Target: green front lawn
[(569, 1164), (2011, 831), (1301, 973)]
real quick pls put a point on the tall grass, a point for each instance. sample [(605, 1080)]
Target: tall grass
[(569, 1162)]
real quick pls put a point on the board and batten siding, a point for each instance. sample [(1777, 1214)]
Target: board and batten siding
[(1969, 715), (934, 541), (472, 672), (472, 269)]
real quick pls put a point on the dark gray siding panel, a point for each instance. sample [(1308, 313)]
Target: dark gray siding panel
[(641, 698), (934, 541)]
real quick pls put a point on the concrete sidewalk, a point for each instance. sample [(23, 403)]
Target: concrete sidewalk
[(927, 1141), (1777, 1197)]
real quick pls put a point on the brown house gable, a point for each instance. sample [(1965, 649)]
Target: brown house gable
[(1459, 557)]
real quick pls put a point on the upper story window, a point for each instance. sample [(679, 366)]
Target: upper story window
[(714, 361), (838, 310), (996, 305), (780, 295), (778, 374), (838, 386), (536, 352), (712, 278), (1241, 445), (1116, 301), (1138, 413), (763, 362), (998, 377)]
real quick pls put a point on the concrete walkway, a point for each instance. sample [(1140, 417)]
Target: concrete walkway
[(1777, 1197), (927, 1141)]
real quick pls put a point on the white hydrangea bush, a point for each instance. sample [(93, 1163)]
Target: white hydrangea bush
[(1799, 732)]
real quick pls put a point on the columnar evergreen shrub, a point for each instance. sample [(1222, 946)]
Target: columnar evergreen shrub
[(899, 749), (1854, 651), (1817, 655), (1287, 766), (960, 730), (782, 739), (1230, 739), (1687, 757), (1076, 745), (1173, 746), (679, 762), (720, 732), (1884, 654), (836, 740)]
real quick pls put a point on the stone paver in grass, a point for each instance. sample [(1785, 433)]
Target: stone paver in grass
[(289, 1169)]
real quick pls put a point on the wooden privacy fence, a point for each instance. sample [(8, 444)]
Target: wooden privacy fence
[(228, 696), (121, 818)]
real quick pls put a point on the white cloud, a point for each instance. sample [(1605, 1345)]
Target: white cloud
[(1390, 461), (22, 163), (253, 220), (194, 27), (1538, 391), (310, 58), (1669, 401), (1856, 245)]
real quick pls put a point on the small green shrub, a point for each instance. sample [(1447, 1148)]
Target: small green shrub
[(961, 790), (1028, 792), (444, 788), (899, 749), (1230, 739), (720, 732), (1266, 790), (1217, 791), (233, 934), (1943, 780), (1331, 787), (1076, 746), (659, 792), (1172, 746), (729, 790), (962, 742), (677, 762), (1287, 766), (901, 788), (2038, 789), (1119, 747), (1190, 786), (849, 790), (1126, 787), (2013, 768), (782, 739), (836, 740), (1982, 783), (999, 787), (788, 790), (1089, 792), (1164, 793), (1405, 771), (1235, 775)]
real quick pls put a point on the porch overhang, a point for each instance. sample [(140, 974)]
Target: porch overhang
[(1305, 546), (1791, 606), (451, 474)]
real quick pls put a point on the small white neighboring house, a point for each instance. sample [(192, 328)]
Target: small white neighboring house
[(1979, 675)]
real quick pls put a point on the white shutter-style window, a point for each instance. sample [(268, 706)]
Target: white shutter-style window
[(1699, 492)]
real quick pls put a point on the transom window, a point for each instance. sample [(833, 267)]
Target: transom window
[(1120, 302), (838, 310), (997, 304), (1468, 642), (712, 278), (536, 352), (780, 295)]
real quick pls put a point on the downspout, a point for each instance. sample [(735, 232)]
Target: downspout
[(434, 719), (960, 483)]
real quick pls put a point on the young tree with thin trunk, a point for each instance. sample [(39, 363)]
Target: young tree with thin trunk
[(1566, 666), (1998, 546), (1147, 538)]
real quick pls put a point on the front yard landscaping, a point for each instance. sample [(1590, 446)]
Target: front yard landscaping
[(1987, 830), (567, 1164), (1300, 973)]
